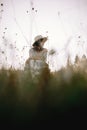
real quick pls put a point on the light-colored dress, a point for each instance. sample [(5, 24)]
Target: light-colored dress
[(37, 61)]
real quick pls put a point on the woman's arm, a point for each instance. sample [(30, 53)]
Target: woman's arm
[(45, 54)]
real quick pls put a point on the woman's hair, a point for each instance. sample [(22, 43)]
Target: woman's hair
[(36, 44)]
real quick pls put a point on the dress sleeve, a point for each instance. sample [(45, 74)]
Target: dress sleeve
[(45, 55), (31, 53)]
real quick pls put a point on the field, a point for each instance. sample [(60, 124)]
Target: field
[(51, 96)]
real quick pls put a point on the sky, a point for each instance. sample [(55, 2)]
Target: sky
[(64, 22)]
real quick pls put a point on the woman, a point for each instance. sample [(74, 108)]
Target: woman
[(37, 56)]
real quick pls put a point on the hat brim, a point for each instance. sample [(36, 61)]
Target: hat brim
[(44, 39)]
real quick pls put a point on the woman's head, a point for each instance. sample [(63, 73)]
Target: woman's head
[(39, 41)]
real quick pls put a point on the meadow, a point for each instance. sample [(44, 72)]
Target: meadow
[(51, 96)]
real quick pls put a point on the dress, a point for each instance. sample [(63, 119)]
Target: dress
[(37, 61)]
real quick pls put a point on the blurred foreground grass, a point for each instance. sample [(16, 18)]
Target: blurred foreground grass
[(54, 95)]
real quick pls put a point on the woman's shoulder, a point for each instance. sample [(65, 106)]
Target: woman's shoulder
[(45, 50), (31, 50)]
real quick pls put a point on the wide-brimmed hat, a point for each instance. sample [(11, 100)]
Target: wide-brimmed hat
[(39, 37)]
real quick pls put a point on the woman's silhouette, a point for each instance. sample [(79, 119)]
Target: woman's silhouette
[(37, 56)]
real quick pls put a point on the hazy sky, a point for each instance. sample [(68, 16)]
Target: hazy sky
[(61, 20)]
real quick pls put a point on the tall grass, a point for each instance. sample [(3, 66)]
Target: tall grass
[(50, 96)]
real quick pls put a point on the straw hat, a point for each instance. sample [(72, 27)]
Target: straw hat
[(39, 37)]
